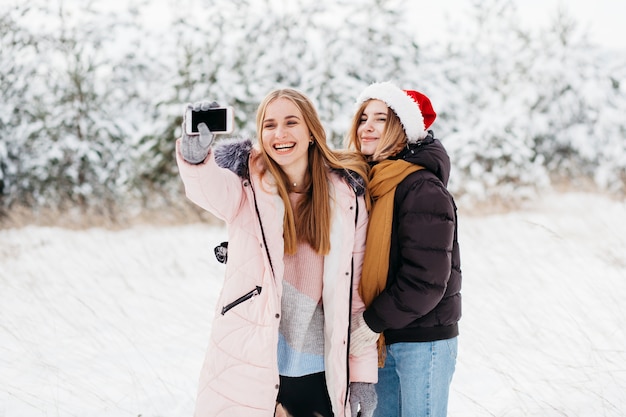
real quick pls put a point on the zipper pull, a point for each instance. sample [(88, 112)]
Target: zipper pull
[(255, 292)]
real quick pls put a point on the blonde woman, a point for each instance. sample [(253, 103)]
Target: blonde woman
[(412, 273), (297, 217)]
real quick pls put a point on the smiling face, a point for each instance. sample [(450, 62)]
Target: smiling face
[(285, 136), (371, 126)]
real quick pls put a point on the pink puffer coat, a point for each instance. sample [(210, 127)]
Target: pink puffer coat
[(239, 377)]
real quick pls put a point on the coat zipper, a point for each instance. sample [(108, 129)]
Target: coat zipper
[(356, 221), (256, 291)]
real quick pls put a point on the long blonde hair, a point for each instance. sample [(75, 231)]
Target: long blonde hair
[(392, 141), (311, 220)]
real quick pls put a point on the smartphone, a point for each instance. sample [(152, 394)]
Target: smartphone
[(218, 120)]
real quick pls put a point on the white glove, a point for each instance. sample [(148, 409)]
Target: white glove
[(363, 399), (195, 148), (361, 336)]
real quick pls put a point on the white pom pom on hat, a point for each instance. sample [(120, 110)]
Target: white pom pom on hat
[(414, 118)]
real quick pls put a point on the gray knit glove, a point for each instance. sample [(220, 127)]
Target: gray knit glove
[(195, 148), (363, 399), (361, 336)]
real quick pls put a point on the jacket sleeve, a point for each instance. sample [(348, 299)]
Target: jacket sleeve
[(421, 265), (215, 189), (363, 368)]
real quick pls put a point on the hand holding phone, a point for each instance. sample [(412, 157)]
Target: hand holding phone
[(219, 120), (197, 137)]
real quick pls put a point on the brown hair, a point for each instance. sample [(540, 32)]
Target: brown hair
[(311, 221), (392, 141)]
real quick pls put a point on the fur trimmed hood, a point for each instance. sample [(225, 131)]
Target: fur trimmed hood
[(234, 155)]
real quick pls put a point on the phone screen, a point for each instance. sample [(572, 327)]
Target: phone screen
[(215, 119)]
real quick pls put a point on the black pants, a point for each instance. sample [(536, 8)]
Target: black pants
[(304, 396)]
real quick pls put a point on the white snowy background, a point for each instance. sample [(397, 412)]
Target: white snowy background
[(93, 91), (101, 323), (114, 322)]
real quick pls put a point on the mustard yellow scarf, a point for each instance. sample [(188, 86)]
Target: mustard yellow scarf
[(384, 178)]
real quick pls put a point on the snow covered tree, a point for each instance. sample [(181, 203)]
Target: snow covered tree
[(522, 108), (575, 113), (93, 94), (323, 48), (198, 44), (362, 43), (18, 69), (485, 118), (71, 142)]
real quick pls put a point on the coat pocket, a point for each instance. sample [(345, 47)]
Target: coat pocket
[(248, 296)]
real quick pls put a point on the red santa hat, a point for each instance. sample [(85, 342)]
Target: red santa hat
[(412, 107)]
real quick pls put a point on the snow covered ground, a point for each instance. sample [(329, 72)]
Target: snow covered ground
[(114, 323)]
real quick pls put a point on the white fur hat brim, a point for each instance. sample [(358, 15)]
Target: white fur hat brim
[(405, 107)]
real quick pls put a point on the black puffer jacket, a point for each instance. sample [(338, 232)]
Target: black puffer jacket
[(422, 300)]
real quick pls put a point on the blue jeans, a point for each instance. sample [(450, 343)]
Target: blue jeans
[(415, 381)]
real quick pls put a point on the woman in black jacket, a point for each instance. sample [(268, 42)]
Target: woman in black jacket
[(411, 279)]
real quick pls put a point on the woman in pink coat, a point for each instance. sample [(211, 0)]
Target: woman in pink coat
[(297, 218)]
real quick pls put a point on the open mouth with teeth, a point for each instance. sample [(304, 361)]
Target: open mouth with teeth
[(284, 147)]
